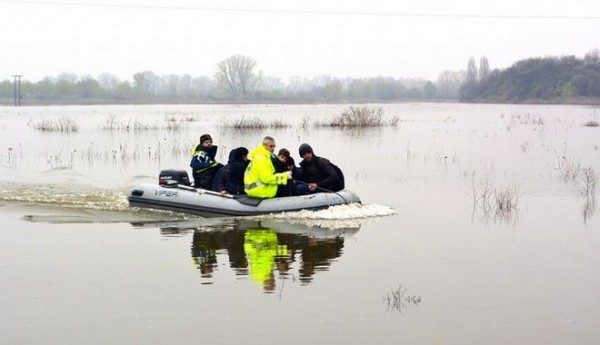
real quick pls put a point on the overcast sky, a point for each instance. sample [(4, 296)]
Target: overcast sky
[(355, 38)]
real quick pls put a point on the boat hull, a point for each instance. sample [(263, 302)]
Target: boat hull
[(211, 204)]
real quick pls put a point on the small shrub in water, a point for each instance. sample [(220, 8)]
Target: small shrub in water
[(255, 123), (64, 124), (358, 117)]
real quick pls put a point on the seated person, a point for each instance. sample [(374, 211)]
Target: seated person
[(203, 163), (230, 178), (318, 173), (286, 163), (261, 179)]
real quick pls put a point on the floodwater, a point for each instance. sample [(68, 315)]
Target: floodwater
[(477, 226)]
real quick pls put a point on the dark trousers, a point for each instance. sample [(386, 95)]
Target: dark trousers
[(204, 179)]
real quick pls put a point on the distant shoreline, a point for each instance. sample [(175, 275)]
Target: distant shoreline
[(9, 102), (6, 101)]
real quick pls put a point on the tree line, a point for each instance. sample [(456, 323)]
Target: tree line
[(565, 79), (235, 79)]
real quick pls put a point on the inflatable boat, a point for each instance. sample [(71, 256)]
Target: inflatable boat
[(174, 193)]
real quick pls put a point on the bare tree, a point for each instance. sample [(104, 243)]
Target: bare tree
[(236, 75), (448, 84)]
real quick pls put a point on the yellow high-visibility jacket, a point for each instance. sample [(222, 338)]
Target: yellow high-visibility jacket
[(260, 179)]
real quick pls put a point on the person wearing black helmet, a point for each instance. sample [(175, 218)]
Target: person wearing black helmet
[(318, 173)]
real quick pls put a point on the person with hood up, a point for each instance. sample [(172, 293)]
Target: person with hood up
[(318, 173), (203, 163), (286, 163), (261, 179), (230, 179)]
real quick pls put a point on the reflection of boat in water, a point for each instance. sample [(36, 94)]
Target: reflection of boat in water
[(182, 198), (262, 252)]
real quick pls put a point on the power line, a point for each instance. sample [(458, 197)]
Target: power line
[(307, 12)]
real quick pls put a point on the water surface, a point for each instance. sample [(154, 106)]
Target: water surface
[(427, 258)]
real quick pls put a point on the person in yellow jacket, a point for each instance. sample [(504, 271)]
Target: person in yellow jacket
[(261, 179)]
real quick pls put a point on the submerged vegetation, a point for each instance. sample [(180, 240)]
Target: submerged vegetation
[(64, 124), (493, 200), (360, 117), (397, 299), (352, 117), (255, 123), (589, 181), (170, 123)]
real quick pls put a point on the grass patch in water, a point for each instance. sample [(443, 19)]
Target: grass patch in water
[(360, 117), (255, 123), (63, 125)]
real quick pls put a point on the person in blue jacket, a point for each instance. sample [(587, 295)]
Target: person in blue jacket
[(203, 163)]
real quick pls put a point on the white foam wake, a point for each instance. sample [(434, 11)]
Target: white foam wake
[(340, 212)]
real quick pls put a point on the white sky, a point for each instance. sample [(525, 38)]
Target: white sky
[(355, 38)]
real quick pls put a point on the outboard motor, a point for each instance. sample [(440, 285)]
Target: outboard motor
[(171, 178)]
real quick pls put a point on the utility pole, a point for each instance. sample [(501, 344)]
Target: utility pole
[(17, 90)]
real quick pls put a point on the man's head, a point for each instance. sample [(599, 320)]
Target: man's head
[(206, 140), (269, 143), (306, 152)]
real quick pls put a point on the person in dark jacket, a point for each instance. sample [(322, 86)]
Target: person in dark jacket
[(317, 173), (230, 179), (286, 163), (203, 163)]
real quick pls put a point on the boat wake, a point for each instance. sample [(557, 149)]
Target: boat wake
[(92, 199), (349, 211), (335, 217)]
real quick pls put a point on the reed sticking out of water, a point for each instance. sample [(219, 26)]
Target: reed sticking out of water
[(64, 125), (305, 122), (255, 123), (592, 123), (360, 117), (568, 168), (172, 124), (590, 180), (588, 190), (502, 202), (396, 299)]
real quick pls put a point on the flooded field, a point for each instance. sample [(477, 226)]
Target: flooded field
[(478, 224)]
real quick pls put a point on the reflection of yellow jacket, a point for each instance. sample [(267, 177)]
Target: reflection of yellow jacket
[(260, 246), (260, 179)]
